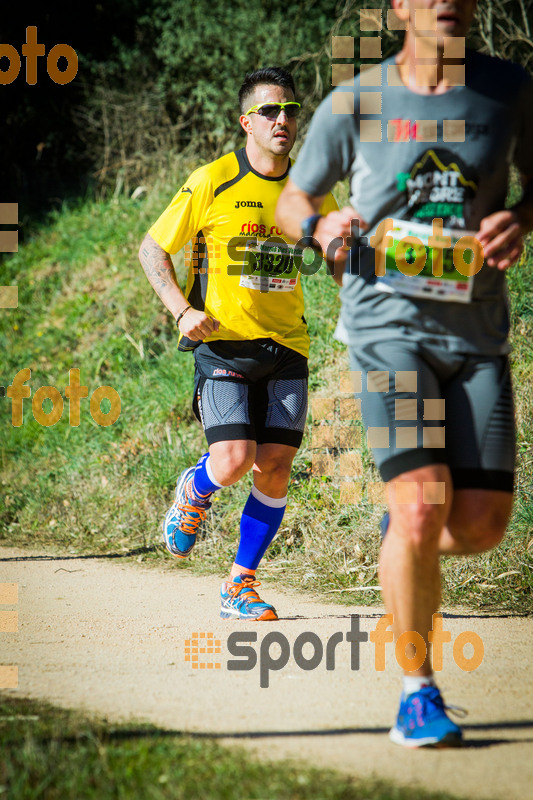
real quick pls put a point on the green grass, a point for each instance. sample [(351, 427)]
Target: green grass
[(49, 753), (85, 303)]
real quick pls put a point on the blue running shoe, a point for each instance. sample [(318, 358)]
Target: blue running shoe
[(422, 721), (239, 600), (183, 518), (384, 524)]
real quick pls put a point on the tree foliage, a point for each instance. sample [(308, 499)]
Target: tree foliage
[(158, 76)]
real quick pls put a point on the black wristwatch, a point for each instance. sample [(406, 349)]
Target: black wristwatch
[(308, 226)]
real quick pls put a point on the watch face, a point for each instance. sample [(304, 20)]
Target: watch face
[(309, 224)]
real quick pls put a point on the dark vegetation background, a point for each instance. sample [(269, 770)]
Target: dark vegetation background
[(161, 75), (92, 164)]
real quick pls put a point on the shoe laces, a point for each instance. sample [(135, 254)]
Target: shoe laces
[(457, 711), (432, 697), (247, 585), (191, 517)]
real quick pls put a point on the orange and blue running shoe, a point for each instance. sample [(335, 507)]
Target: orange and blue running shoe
[(184, 517), (423, 722), (239, 600)]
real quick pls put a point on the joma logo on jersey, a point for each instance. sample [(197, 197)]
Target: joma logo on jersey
[(248, 204)]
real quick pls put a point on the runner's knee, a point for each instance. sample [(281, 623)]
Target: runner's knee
[(273, 477), (419, 523), (479, 533), (231, 460), (489, 537), (272, 468)]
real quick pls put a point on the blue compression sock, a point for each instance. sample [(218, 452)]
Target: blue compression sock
[(204, 482), (260, 522)]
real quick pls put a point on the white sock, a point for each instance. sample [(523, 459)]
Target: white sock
[(415, 683), (210, 474)]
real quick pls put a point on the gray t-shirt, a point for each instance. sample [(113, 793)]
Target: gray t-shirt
[(459, 182)]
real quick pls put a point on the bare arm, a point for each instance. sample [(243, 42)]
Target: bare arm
[(159, 270), (295, 205)]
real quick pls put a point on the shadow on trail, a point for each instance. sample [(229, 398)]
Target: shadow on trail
[(140, 733), (300, 617), (378, 614), (135, 552)]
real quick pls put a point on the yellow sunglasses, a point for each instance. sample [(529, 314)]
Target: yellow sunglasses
[(272, 110)]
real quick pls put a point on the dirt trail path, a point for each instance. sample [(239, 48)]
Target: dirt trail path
[(109, 637)]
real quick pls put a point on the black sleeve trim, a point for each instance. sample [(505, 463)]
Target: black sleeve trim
[(259, 174), (244, 168), (200, 264), (198, 292)]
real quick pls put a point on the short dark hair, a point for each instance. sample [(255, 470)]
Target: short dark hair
[(271, 75)]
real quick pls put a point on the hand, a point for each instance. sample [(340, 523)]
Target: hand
[(338, 224), (501, 236), (196, 325)]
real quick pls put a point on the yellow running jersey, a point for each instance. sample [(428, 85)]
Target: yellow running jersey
[(227, 209)]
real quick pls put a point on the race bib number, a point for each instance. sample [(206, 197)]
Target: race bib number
[(270, 267), (416, 268)]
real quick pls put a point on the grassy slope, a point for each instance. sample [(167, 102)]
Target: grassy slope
[(84, 302), (48, 753)]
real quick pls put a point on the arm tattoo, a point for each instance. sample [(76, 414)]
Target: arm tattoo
[(157, 266)]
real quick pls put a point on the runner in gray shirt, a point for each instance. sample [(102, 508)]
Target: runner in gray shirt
[(426, 320)]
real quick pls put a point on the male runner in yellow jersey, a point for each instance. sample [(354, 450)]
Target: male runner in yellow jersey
[(242, 313)]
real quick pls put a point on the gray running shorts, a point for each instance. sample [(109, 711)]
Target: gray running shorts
[(422, 404)]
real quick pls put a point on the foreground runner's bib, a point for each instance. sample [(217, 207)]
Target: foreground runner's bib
[(409, 256), (271, 266)]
